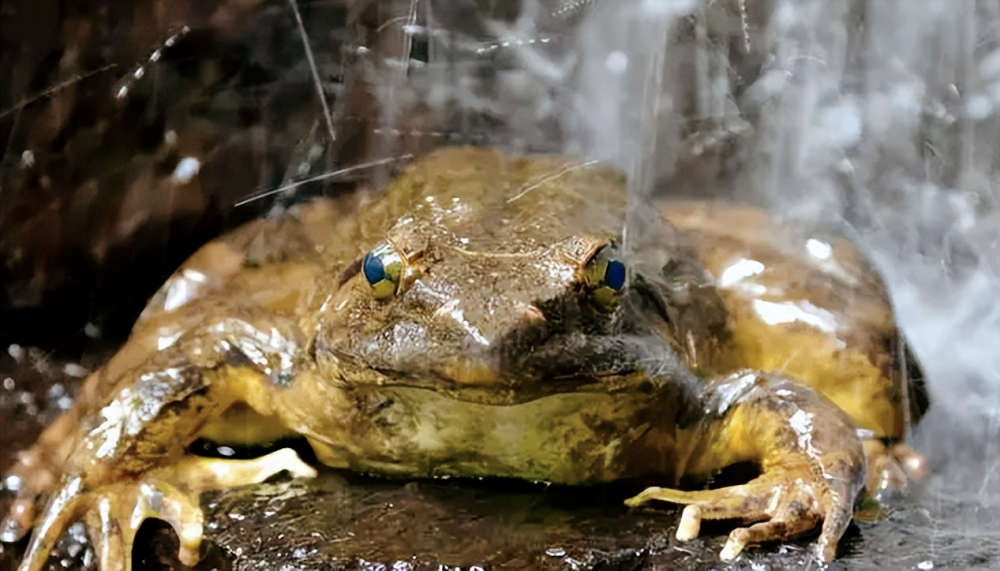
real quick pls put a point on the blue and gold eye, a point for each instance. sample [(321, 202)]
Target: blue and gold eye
[(605, 276), (383, 268)]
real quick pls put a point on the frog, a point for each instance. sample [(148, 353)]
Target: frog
[(488, 315)]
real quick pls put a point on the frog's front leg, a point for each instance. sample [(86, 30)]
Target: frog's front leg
[(127, 461), (811, 460)]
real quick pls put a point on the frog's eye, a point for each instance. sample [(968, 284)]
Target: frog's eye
[(383, 267), (605, 276)]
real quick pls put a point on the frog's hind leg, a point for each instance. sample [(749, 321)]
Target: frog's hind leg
[(113, 513)]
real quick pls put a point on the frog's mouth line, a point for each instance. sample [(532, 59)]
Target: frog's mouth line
[(513, 393), (605, 364)]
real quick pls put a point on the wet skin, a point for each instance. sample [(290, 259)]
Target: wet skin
[(484, 318)]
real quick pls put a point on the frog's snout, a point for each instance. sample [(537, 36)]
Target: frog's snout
[(447, 328), (486, 330), (451, 317)]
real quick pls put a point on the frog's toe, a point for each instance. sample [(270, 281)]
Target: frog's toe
[(219, 473), (117, 512), (30, 481), (776, 529), (913, 463), (891, 469), (113, 514), (18, 520), (785, 502), (63, 508), (884, 475)]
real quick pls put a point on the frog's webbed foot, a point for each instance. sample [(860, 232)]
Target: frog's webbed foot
[(811, 461), (114, 512), (784, 503), (891, 468), (112, 515)]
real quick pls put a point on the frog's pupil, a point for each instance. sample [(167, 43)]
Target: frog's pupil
[(614, 276), (373, 269)]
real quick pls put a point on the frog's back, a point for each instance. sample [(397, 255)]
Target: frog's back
[(809, 305)]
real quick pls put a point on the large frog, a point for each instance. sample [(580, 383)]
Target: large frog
[(486, 317)]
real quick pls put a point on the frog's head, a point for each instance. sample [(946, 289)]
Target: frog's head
[(493, 278)]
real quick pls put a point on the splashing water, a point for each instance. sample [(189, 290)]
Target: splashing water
[(877, 117)]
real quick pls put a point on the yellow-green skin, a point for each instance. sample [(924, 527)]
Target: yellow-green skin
[(495, 354)]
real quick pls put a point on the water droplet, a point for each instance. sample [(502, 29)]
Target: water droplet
[(10, 531), (91, 331), (617, 62), (17, 352), (819, 249), (186, 169), (56, 391), (12, 483), (78, 531), (75, 370), (27, 159)]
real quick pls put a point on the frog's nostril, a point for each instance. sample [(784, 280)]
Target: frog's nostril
[(533, 313), (446, 309)]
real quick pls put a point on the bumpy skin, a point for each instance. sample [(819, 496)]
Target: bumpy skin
[(811, 306), (497, 354)]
